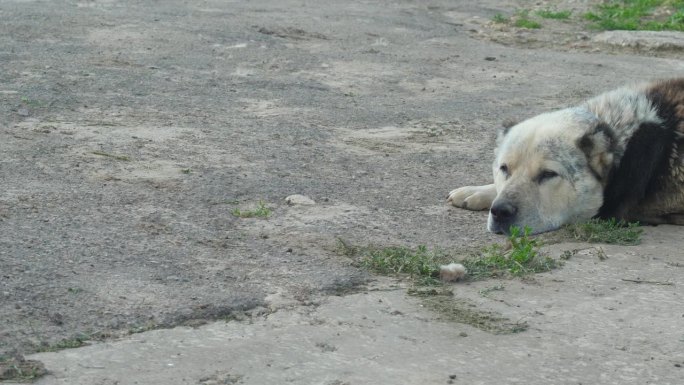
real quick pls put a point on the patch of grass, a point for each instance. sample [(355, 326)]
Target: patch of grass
[(30, 102), (74, 290), (422, 265), (20, 370), (523, 21), (556, 15), (347, 249), (606, 231), (185, 170), (651, 15), (401, 260), (500, 19), (521, 258), (113, 156), (261, 211), (67, 343), (527, 23), (143, 328)]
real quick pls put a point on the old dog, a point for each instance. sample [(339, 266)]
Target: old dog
[(618, 155)]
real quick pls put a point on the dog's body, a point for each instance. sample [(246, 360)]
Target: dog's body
[(619, 155)]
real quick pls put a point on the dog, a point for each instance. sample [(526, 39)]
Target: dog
[(618, 155)]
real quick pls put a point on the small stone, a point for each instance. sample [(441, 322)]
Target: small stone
[(452, 272), (57, 318), (298, 199)]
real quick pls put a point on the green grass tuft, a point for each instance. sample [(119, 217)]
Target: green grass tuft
[(522, 258), (261, 211), (67, 343), (556, 15), (420, 264), (30, 102), (20, 370), (74, 290), (523, 21), (651, 15), (401, 260), (500, 19), (606, 231), (527, 23), (143, 328)]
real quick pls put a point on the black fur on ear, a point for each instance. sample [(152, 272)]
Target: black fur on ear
[(598, 146), (505, 127), (640, 172)]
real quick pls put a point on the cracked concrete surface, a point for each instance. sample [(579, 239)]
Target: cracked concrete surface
[(130, 131)]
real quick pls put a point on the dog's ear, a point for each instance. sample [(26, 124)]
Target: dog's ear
[(598, 146), (503, 130)]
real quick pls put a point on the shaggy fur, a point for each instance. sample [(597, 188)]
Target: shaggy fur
[(618, 155)]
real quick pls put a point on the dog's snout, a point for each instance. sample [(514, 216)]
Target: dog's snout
[(503, 211)]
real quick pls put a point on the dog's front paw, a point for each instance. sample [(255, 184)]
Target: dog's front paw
[(473, 197)]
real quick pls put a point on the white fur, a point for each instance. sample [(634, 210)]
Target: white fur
[(528, 149), (610, 106), (473, 197), (452, 272)]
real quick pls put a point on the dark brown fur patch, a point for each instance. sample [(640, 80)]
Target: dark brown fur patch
[(598, 159), (668, 98)]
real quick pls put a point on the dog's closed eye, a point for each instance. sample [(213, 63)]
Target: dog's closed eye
[(546, 175)]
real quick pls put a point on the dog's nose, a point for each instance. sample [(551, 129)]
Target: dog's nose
[(503, 211)]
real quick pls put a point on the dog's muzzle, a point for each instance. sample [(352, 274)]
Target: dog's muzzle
[(503, 215)]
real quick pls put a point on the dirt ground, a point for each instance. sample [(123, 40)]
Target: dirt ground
[(130, 132)]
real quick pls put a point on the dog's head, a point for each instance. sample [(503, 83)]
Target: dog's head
[(550, 170)]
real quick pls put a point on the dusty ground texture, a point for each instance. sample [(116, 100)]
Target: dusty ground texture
[(130, 132)]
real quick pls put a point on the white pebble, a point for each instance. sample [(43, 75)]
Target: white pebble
[(298, 199)]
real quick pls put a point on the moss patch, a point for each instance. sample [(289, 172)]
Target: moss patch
[(450, 308), (18, 369)]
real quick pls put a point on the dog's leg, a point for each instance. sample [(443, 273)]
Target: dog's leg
[(473, 197), (675, 219), (669, 219)]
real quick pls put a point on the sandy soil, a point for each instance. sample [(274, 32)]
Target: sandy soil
[(130, 132)]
